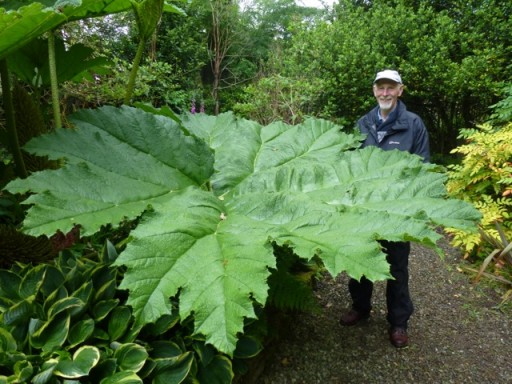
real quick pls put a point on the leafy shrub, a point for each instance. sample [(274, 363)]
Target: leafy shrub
[(503, 109), (276, 98), (216, 192), (157, 83), (484, 178)]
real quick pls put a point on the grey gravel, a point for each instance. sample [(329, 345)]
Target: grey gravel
[(457, 334)]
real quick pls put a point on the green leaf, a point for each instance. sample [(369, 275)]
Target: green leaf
[(9, 284), (164, 349), (32, 281), (46, 375), (65, 304), (218, 371), (131, 357), (30, 63), (125, 377), (55, 296), (19, 312), (119, 322), (7, 342), (175, 370), (47, 335), (132, 174), (80, 332), (162, 325), (103, 308), (247, 347), (147, 15), (206, 237), (187, 240), (53, 279), (104, 369), (23, 371), (84, 293), (84, 359), (20, 25)]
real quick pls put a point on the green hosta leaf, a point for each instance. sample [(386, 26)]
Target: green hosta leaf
[(19, 312), (162, 325), (218, 371), (46, 374), (32, 281), (174, 370), (47, 335), (80, 332), (84, 359), (131, 357), (205, 237), (65, 304), (105, 369), (43, 377), (23, 371), (7, 342), (125, 377), (55, 296), (53, 279), (248, 347), (106, 291), (103, 308), (9, 284), (164, 349), (119, 322), (84, 293)]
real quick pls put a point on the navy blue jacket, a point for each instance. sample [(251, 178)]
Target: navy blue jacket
[(402, 130)]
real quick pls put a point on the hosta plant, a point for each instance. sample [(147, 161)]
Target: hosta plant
[(215, 194), (66, 322)]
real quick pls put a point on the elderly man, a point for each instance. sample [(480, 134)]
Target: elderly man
[(390, 126)]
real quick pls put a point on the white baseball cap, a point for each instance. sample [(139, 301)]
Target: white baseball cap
[(390, 75)]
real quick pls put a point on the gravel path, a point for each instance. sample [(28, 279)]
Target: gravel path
[(457, 334)]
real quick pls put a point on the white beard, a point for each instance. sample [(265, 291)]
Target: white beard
[(386, 105)]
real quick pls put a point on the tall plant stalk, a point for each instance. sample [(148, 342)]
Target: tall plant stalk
[(54, 81), (147, 15), (12, 134), (133, 74)]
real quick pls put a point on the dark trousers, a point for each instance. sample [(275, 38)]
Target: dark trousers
[(398, 300)]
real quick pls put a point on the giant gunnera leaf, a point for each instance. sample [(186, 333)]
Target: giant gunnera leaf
[(215, 193)]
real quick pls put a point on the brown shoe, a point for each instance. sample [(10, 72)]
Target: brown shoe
[(353, 317), (398, 337)]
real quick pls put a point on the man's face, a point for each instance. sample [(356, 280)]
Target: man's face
[(387, 93)]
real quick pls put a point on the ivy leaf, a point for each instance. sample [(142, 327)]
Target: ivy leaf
[(215, 192)]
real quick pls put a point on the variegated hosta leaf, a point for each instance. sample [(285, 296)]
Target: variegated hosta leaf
[(307, 186)]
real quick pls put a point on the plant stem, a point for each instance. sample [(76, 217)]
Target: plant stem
[(12, 134), (133, 73), (53, 80)]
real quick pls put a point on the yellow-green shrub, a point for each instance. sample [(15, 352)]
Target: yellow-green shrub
[(484, 178)]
